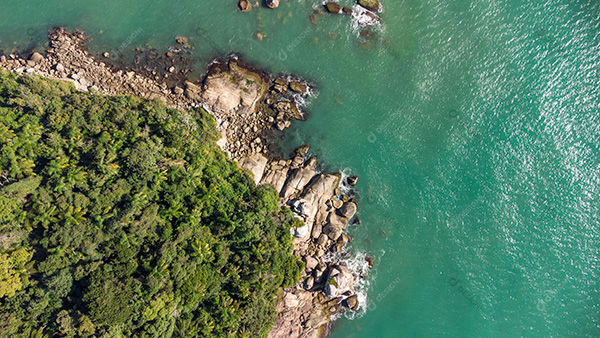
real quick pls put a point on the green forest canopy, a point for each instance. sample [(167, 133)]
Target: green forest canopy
[(120, 217)]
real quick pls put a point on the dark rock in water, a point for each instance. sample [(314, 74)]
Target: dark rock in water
[(373, 16), (372, 5), (333, 8), (352, 180), (369, 260), (347, 10), (351, 302), (183, 40), (365, 33), (244, 5), (272, 3), (356, 221), (298, 86)]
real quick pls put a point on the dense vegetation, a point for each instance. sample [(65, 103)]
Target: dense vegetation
[(120, 217)]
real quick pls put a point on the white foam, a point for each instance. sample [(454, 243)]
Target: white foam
[(344, 188), (361, 18), (359, 267)]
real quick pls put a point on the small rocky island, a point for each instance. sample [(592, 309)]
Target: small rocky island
[(250, 106)]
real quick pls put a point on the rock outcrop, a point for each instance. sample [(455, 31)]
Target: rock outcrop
[(372, 5), (248, 105), (272, 3)]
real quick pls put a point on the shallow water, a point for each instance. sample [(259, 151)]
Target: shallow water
[(474, 128)]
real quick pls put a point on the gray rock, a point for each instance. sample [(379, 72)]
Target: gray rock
[(275, 177), (300, 232), (319, 190), (310, 262), (295, 183), (255, 164)]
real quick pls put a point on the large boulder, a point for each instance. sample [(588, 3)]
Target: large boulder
[(227, 90), (36, 57), (348, 210), (310, 262), (352, 302), (255, 164), (300, 232), (296, 182), (337, 220), (318, 191), (333, 7), (372, 5), (244, 5), (340, 281), (332, 231), (276, 175)]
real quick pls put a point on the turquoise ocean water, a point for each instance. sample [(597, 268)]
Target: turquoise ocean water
[(474, 127)]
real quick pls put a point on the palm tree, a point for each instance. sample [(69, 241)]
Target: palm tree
[(45, 215), (21, 167), (73, 216)]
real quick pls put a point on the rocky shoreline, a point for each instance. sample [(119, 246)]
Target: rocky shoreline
[(249, 106)]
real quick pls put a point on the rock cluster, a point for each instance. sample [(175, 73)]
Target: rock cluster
[(315, 198), (248, 105)]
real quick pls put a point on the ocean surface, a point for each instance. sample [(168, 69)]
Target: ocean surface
[(474, 127)]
